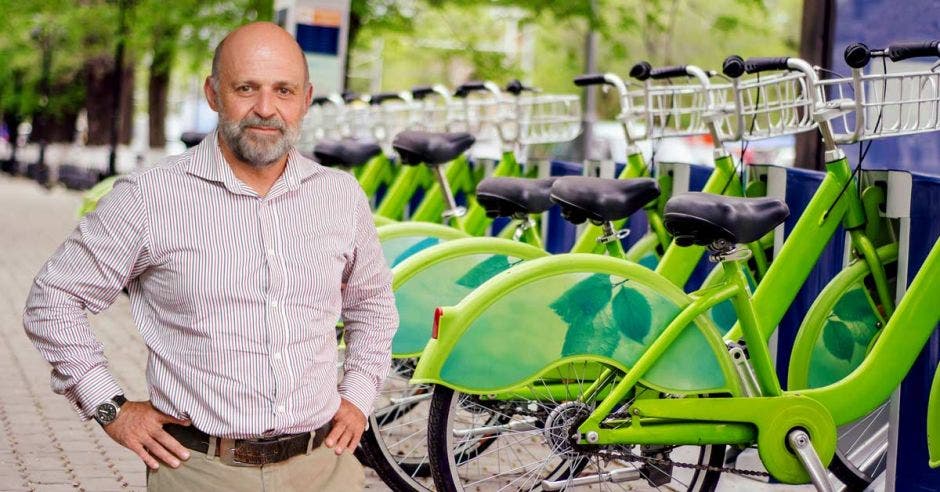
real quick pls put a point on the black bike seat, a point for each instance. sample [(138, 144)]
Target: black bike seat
[(431, 148), (703, 218), (505, 197), (601, 199), (347, 152)]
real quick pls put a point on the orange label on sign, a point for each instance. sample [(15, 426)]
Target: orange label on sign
[(327, 18)]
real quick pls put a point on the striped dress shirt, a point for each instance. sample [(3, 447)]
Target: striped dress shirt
[(236, 295)]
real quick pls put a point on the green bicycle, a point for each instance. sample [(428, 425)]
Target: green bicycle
[(446, 272), (610, 336)]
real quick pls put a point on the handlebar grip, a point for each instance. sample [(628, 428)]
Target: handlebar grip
[(590, 79), (468, 87), (733, 66), (376, 99), (755, 65), (641, 71), (516, 87), (421, 91), (668, 72), (319, 101), (857, 55), (903, 51), (350, 96)]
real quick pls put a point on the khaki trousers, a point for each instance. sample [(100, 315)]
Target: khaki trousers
[(321, 470)]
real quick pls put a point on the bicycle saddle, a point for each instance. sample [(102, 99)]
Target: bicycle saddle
[(601, 199), (505, 197), (347, 152), (431, 148), (703, 218)]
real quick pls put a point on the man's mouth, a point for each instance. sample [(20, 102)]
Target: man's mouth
[(265, 129)]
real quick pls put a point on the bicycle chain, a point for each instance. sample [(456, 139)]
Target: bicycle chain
[(665, 462)]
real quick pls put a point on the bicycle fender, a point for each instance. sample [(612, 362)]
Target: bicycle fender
[(443, 275), (545, 312), (403, 239)]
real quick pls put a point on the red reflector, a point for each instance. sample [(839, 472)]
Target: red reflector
[(438, 312)]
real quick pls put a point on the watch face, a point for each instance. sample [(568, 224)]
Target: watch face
[(106, 413)]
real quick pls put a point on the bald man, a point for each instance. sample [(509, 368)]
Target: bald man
[(239, 256)]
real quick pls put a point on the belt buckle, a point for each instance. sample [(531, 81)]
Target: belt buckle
[(227, 452)]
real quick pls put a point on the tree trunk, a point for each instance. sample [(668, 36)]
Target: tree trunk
[(158, 86), (816, 39), (99, 80)]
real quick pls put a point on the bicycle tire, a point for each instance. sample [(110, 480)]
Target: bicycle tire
[(445, 475)]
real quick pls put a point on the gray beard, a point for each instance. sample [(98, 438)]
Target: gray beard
[(258, 151)]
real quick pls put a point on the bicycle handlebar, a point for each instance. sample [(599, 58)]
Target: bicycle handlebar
[(350, 96), (903, 51), (421, 91), (319, 101), (669, 72), (590, 79), (857, 55), (381, 97), (761, 64), (516, 87), (466, 88)]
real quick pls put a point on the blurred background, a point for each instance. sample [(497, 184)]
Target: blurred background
[(90, 88)]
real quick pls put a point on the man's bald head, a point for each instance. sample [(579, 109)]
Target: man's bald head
[(251, 35), (261, 89)]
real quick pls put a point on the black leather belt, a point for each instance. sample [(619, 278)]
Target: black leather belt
[(249, 452)]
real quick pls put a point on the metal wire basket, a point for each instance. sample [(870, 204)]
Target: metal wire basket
[(775, 104), (390, 118), (869, 106), (544, 118), (480, 115), (679, 110)]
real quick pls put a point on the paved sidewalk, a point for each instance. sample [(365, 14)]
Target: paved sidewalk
[(43, 445)]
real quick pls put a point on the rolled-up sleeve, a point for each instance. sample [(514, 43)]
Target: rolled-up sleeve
[(369, 315), (87, 272)]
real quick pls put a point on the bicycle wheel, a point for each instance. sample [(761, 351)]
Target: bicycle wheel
[(395, 445), (531, 449), (834, 338)]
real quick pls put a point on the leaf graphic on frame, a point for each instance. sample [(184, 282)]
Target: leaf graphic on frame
[(598, 336), (581, 303), (855, 306), (632, 313), (483, 271), (414, 248), (838, 339)]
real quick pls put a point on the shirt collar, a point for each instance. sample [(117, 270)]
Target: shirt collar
[(208, 163)]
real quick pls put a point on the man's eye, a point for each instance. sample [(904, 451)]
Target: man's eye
[(285, 91), (243, 88)]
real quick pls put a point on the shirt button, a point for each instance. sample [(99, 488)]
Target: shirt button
[(280, 409), (273, 304), (271, 252), (277, 356)]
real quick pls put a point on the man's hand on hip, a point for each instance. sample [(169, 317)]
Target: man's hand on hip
[(139, 427), (348, 425)]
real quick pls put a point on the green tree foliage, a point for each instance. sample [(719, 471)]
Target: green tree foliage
[(82, 36), (446, 40)]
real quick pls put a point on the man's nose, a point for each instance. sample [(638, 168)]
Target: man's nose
[(265, 105)]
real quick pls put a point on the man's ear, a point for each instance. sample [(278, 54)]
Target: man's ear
[(210, 94), (308, 96)]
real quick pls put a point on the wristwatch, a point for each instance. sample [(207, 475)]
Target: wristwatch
[(108, 411)]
